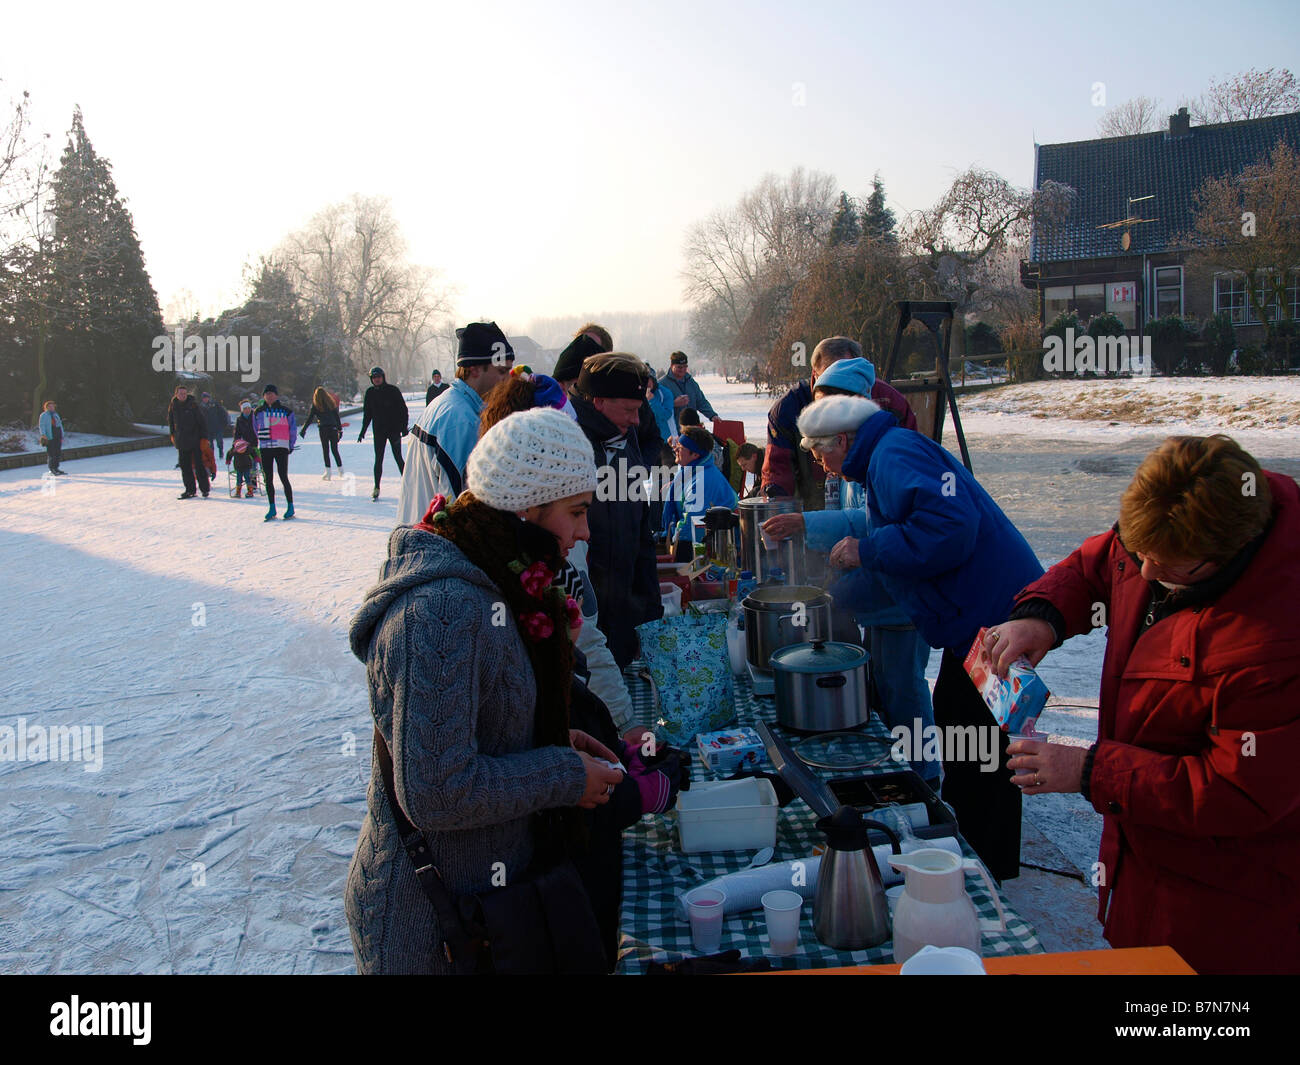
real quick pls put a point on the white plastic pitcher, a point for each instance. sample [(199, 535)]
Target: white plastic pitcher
[(934, 909)]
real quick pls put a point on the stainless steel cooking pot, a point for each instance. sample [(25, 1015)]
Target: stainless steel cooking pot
[(821, 686), (771, 562), (778, 616)]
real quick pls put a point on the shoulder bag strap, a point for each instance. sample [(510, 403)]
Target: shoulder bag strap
[(456, 943)]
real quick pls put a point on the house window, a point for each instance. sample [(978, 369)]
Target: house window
[(1056, 301), (1089, 301), (1121, 301), (1230, 296), (1169, 290)]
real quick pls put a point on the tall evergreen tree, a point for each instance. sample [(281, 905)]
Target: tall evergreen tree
[(845, 227), (104, 312), (289, 354), (878, 221)]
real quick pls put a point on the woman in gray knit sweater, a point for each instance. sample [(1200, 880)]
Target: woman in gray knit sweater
[(468, 662)]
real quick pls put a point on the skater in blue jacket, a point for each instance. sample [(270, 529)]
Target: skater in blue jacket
[(50, 426)]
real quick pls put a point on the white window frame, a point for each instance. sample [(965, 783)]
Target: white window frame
[(1157, 288), (1249, 318)]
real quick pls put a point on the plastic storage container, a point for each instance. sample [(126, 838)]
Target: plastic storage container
[(671, 595), (727, 815)]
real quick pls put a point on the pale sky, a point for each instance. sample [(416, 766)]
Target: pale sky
[(548, 158)]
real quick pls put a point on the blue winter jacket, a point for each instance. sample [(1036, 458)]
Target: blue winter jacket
[(47, 423), (858, 590), (661, 403), (689, 497), (689, 388), (942, 548)]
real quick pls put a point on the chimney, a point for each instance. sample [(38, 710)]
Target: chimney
[(1180, 124)]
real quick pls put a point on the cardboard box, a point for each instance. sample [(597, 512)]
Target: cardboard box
[(1015, 702), (726, 751)]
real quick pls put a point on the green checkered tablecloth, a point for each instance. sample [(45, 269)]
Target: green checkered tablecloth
[(655, 872)]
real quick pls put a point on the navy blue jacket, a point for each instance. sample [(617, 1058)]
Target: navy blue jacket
[(943, 549), (621, 552)]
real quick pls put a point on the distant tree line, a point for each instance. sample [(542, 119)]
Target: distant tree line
[(80, 321)]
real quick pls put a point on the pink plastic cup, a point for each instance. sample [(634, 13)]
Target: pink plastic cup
[(705, 906)]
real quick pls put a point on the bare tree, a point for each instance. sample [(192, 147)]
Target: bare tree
[(1249, 224), (1254, 94), (349, 266), (1138, 115), (24, 167), (736, 257), (955, 245)]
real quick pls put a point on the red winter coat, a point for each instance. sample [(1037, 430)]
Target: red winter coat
[(1197, 769)]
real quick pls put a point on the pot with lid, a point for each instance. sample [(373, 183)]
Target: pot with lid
[(821, 686), (777, 616)]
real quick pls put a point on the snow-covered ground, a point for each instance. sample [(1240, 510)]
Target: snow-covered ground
[(211, 648), (1254, 410), (1250, 409), (30, 440)]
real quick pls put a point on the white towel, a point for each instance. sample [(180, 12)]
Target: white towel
[(745, 890)]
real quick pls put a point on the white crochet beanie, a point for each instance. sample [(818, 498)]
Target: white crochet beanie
[(835, 414), (529, 458)]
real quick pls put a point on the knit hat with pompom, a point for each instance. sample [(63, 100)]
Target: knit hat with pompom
[(531, 458)]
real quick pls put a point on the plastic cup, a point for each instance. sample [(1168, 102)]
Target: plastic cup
[(943, 961), (782, 910), (705, 906)]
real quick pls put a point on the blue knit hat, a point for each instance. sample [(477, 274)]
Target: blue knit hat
[(852, 375), (549, 393)]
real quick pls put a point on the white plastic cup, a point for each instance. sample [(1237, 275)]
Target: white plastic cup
[(943, 961), (705, 906), (782, 910)]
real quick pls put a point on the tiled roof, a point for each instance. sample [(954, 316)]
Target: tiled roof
[(1107, 171)]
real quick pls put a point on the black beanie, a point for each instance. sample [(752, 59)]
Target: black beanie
[(569, 364), (612, 382), (479, 343)]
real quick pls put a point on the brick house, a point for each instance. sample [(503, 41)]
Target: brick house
[(1087, 265)]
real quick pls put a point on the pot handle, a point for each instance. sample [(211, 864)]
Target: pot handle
[(973, 866)]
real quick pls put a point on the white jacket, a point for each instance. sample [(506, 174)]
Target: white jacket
[(606, 681), (441, 440)]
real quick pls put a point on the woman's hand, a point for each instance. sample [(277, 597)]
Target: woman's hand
[(844, 555), (1030, 637), (583, 743), (600, 781), (783, 526), (640, 739), (1042, 767)]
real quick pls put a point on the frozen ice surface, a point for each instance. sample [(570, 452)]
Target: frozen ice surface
[(212, 649)]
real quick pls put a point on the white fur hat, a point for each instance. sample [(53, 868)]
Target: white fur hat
[(530, 458), (835, 414)]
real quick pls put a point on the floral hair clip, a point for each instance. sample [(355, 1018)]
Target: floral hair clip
[(437, 510)]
